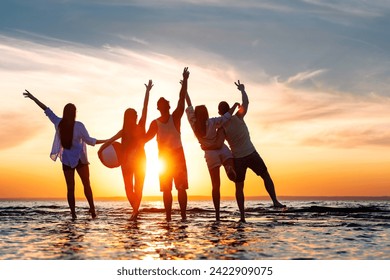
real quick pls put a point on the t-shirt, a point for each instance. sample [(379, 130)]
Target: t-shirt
[(238, 138), (168, 138), (212, 124)]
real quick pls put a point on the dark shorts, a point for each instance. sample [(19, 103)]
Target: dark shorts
[(175, 170), (253, 161), (79, 165)]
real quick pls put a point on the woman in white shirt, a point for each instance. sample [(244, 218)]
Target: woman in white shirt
[(215, 152), (69, 145)]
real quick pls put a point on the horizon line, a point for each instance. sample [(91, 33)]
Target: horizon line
[(206, 197)]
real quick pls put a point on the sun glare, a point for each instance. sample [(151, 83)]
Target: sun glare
[(153, 168)]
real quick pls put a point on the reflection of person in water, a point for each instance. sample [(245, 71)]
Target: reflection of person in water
[(205, 130), (170, 149), (133, 157), (245, 154), (70, 146)]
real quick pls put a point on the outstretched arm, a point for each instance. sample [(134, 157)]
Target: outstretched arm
[(142, 120), (101, 141), (152, 131), (178, 113), (109, 141), (245, 101), (27, 94)]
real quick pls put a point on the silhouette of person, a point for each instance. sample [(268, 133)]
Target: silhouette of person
[(69, 145), (205, 130), (133, 157), (170, 150), (244, 152)]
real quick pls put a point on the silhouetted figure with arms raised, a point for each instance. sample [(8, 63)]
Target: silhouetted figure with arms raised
[(69, 145), (170, 150), (216, 152), (244, 152), (133, 157)]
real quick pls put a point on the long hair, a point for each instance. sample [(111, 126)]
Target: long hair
[(201, 115), (129, 129), (66, 125)]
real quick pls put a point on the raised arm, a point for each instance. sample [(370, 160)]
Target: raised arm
[(245, 101), (231, 111), (190, 112), (178, 113), (27, 94), (142, 120), (152, 131), (188, 100)]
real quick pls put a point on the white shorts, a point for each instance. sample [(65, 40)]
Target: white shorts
[(216, 158)]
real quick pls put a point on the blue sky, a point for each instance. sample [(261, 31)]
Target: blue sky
[(347, 40), (317, 73)]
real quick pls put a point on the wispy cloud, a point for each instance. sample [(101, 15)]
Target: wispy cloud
[(133, 39), (303, 76), (325, 73), (15, 129), (102, 82), (298, 117), (351, 137), (355, 8)]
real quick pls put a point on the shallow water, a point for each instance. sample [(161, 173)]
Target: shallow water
[(320, 230)]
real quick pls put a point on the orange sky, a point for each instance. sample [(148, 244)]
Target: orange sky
[(340, 168), (306, 157), (37, 176)]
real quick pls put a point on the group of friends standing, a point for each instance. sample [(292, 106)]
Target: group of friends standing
[(71, 138)]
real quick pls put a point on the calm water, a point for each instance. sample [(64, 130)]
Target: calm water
[(321, 230)]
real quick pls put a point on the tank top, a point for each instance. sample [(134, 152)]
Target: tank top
[(167, 135), (238, 138)]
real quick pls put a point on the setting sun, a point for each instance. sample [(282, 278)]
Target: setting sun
[(154, 165), (153, 168)]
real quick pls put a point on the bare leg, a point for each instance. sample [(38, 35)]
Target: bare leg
[(269, 186), (167, 196), (69, 178), (182, 197), (229, 168), (138, 188), (216, 184), (240, 200), (84, 176), (128, 180)]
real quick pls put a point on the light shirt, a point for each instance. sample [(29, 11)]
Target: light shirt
[(168, 138), (238, 138), (212, 124), (78, 151)]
